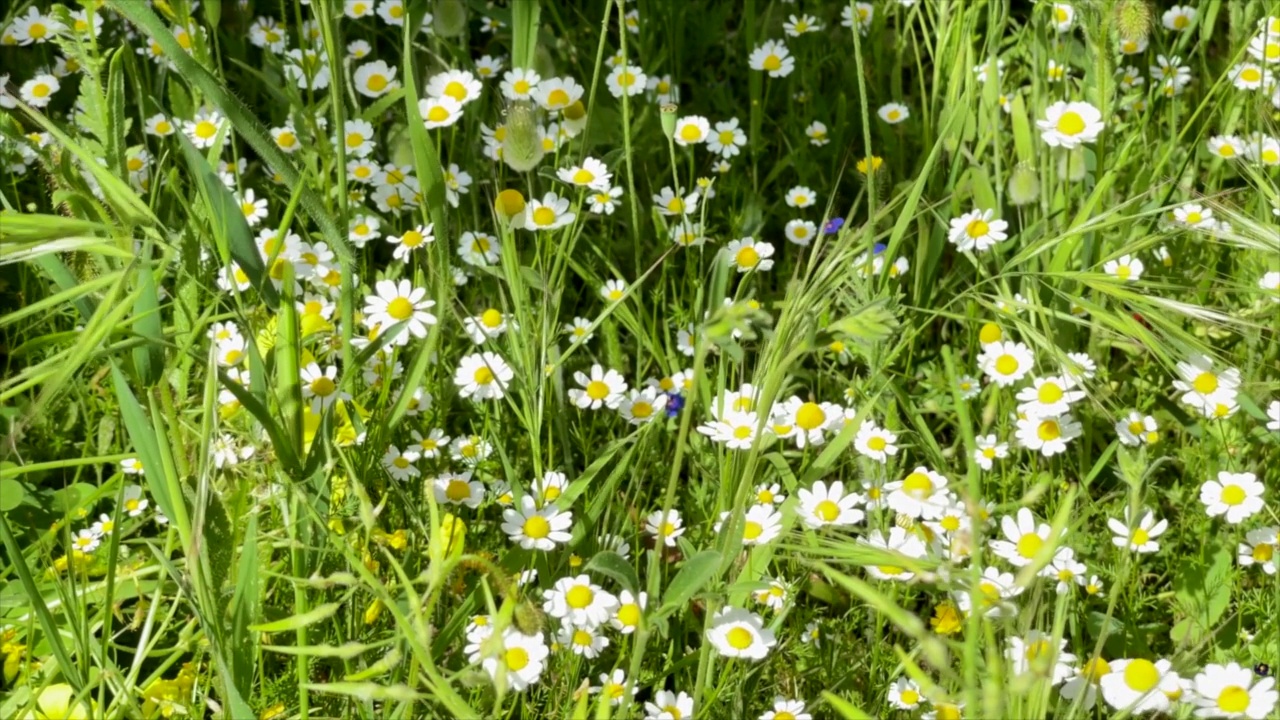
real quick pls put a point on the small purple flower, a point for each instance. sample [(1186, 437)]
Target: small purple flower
[(879, 248), (833, 226), (675, 403)]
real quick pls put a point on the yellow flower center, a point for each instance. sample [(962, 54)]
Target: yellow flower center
[(491, 318), (597, 390), (457, 490), (579, 597), (641, 409), (629, 614), (752, 530), (456, 90), (1140, 537), (690, 133), (739, 638), (1251, 74), (1049, 393), (1141, 675), (826, 511), (1007, 364), (1070, 123), (1029, 545), (742, 432), (483, 376), (1263, 552), (918, 485), (877, 443), (544, 216), (1206, 382), (810, 416), (1049, 430), (323, 386), (411, 239), (1233, 495), (521, 87), (516, 658), (773, 62), (909, 697), (537, 527), (1233, 699), (437, 114), (400, 308), (1181, 22)]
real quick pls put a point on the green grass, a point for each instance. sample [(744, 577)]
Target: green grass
[(280, 568)]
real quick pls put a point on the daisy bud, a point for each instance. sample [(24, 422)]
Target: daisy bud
[(668, 116), (522, 148), (529, 618), (372, 612), (1024, 185), (1133, 19), (575, 117), (450, 18), (509, 206)]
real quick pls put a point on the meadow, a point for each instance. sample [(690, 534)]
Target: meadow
[(663, 359)]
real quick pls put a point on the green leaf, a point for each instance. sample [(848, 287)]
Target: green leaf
[(614, 566), (847, 710), (1202, 589), (693, 576), (148, 358), (368, 691), (12, 493), (246, 606), (231, 234), (426, 161), (293, 622), (19, 226)]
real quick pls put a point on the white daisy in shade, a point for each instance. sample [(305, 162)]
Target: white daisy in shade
[(904, 694), (549, 213), (1139, 537), (1041, 655), (747, 255), (800, 232), (1230, 691), (1023, 538), (642, 406), (1136, 429), (875, 442), (898, 541), (668, 705), (1139, 685), (1126, 268), (1202, 386), (821, 505), (760, 525), (320, 386), (400, 465), (989, 450), (614, 687), (1065, 569), (1259, 548), (459, 85), (994, 591), (772, 57), (1048, 435), (977, 231), (691, 130), (374, 79), (590, 173), (666, 527), (727, 138), (579, 602), (483, 376), (784, 709), (1070, 124), (522, 658), (1235, 496), (458, 489), (535, 528), (738, 633)]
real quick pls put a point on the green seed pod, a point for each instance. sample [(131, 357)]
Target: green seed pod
[(668, 116), (1133, 19), (450, 18), (528, 618), (522, 147), (1024, 185)]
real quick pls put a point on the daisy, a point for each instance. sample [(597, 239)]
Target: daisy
[(784, 709), (772, 57), (160, 126), (1023, 538), (438, 112), (628, 612), (728, 138), (669, 203), (458, 85), (1265, 47), (356, 9), (1230, 691), (203, 129), (994, 591), (487, 325), (394, 303), (1202, 387), (642, 406), (1273, 413), (321, 387), (1062, 16), (479, 249), (800, 197), (1236, 496), (1048, 397), (614, 687), (875, 442), (737, 633), (795, 27), (556, 94), (604, 200), (430, 445), (897, 541), (691, 130), (469, 449), (535, 528), (1248, 76), (1194, 215), (667, 705), (519, 84), (922, 494), (1005, 363), (583, 641), (625, 79), (1037, 654), (86, 540), (1126, 268), (362, 229), (1136, 429), (736, 430), (760, 525), (400, 465), (579, 602), (458, 489), (132, 501), (1049, 435), (412, 239), (550, 213), (483, 376), (1178, 18), (817, 134), (522, 657), (1065, 569), (579, 331), (591, 173), (374, 79), (1139, 538), (904, 694), (863, 21), (893, 113), (1068, 125), (977, 230), (821, 506), (600, 388), (1139, 685), (665, 527), (748, 255), (989, 450), (800, 232), (1259, 548)]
